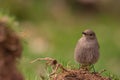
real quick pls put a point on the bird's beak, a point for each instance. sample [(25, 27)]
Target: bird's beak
[(84, 33)]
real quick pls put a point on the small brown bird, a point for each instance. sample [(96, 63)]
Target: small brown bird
[(87, 49)]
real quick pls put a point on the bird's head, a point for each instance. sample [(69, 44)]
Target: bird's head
[(89, 34)]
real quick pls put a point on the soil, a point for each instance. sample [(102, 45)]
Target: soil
[(80, 75), (69, 74), (10, 53)]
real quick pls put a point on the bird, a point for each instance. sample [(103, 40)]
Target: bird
[(87, 49)]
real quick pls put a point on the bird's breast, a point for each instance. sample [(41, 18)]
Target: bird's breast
[(88, 43), (86, 52)]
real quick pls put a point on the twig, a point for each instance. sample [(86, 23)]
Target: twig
[(53, 63)]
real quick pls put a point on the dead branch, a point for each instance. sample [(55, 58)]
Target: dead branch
[(53, 63)]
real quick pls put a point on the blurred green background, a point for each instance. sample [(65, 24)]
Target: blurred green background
[(51, 28)]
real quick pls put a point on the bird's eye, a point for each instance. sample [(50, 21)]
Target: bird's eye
[(91, 34)]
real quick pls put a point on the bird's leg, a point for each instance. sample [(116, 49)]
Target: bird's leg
[(79, 66)]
